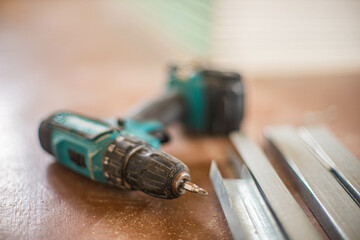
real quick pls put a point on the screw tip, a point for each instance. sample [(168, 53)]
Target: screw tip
[(192, 187)]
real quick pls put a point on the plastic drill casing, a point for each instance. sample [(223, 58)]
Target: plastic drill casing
[(80, 142), (214, 99), (114, 152)]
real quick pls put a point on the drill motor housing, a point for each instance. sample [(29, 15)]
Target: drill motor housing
[(214, 99)]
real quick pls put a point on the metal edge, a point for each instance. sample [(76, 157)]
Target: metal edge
[(246, 211), (334, 156), (331, 205), (288, 213), (226, 204)]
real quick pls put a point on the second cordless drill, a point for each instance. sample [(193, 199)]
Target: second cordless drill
[(206, 101)]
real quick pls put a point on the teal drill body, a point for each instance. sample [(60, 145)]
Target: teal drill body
[(192, 88), (80, 144), (86, 140), (121, 153)]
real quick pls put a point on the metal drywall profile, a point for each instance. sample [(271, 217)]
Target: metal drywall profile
[(246, 212), (289, 214), (332, 206), (335, 157)]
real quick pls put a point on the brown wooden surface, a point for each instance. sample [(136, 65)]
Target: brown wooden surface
[(92, 59)]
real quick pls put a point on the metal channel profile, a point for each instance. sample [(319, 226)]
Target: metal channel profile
[(335, 157), (288, 213), (245, 210), (332, 206)]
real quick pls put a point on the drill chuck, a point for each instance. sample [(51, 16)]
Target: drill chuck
[(133, 164)]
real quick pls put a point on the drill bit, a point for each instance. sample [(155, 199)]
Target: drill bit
[(192, 187)]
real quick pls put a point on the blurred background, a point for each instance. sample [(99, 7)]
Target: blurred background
[(265, 37), (258, 38)]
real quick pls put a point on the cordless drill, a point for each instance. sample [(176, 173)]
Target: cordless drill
[(125, 152)]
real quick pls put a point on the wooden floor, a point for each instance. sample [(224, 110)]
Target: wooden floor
[(91, 58)]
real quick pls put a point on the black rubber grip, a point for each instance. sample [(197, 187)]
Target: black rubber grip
[(45, 134), (170, 108), (225, 102)]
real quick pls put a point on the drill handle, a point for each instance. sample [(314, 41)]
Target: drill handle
[(169, 108)]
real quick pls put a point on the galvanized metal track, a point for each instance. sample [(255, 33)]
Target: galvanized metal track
[(336, 211), (257, 205), (289, 214), (245, 210), (334, 156)]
